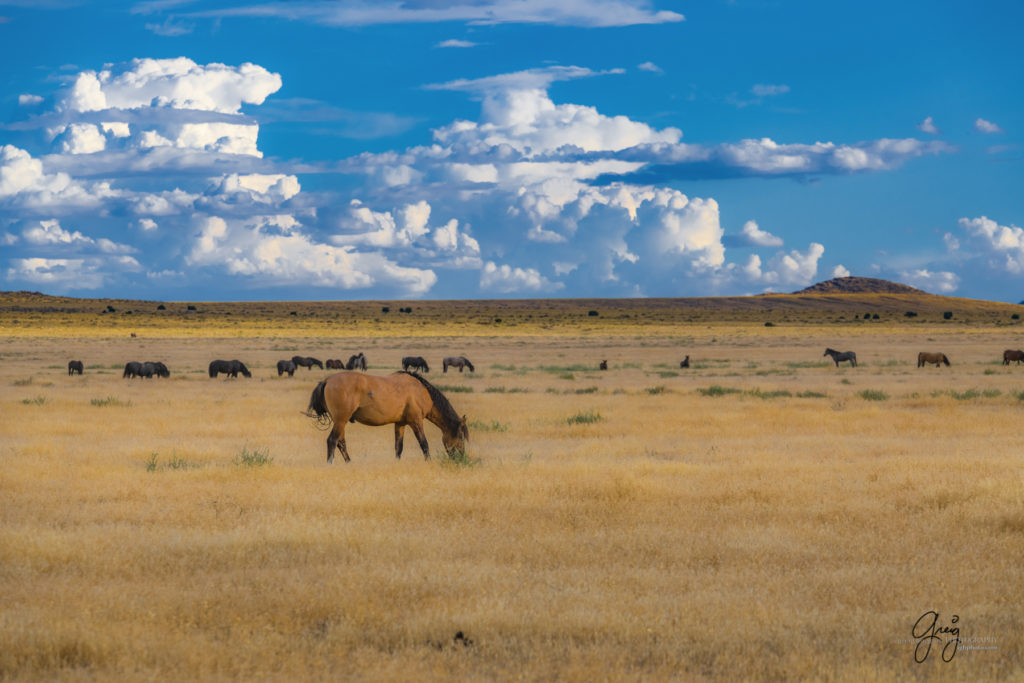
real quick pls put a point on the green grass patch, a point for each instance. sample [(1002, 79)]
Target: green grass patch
[(22, 382), (660, 389), (109, 401), (454, 388), (503, 390), (172, 463), (37, 401), (811, 394), (777, 393), (257, 457), (718, 390), (492, 426), (873, 395), (584, 418), (968, 394), (566, 369), (458, 459)]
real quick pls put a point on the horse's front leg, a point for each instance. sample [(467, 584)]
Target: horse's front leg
[(417, 429), (399, 433)]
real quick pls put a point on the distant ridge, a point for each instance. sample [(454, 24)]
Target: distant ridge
[(859, 285)]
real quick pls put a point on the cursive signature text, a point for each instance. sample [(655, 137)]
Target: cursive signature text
[(927, 631)]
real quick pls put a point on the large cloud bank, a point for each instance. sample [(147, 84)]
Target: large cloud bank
[(154, 174)]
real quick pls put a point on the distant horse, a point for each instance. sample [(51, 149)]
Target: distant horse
[(685, 363), (284, 366), (403, 398), (936, 358), (150, 368), (457, 362), (839, 356), (603, 365), (1008, 355), (75, 366), (132, 369), (415, 362), (332, 364), (307, 362), (356, 362), (231, 368)]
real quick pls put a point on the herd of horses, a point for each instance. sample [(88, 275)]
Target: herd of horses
[(405, 398), (923, 358), (232, 368)]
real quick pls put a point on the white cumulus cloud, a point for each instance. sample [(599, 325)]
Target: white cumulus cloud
[(505, 279), (928, 126), (1003, 245), (987, 127), (937, 282)]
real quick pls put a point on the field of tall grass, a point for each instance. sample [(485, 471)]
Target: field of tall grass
[(760, 515)]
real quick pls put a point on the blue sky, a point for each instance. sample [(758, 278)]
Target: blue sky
[(348, 149)]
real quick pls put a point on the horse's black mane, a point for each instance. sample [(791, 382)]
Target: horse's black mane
[(451, 418)]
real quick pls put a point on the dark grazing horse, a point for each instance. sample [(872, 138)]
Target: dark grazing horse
[(284, 366), (936, 358), (402, 399), (1008, 356), (307, 362), (149, 369), (231, 368), (333, 364), (839, 356), (603, 365), (685, 363), (415, 362), (132, 369), (356, 362), (75, 366), (457, 362)]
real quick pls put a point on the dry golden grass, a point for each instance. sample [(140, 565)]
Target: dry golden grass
[(762, 515)]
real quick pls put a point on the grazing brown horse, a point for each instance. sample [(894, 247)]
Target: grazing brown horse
[(457, 362), (403, 398), (334, 364), (936, 358), (1011, 355)]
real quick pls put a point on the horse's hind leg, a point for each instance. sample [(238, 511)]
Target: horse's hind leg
[(336, 439), (399, 434)]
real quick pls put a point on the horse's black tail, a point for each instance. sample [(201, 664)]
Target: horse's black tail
[(318, 404)]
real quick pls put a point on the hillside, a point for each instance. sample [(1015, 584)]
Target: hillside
[(827, 303), (859, 285)]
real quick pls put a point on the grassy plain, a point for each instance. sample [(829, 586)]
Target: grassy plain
[(762, 515)]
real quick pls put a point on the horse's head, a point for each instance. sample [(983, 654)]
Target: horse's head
[(456, 439)]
